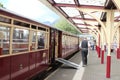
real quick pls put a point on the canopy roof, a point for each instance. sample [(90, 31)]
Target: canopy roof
[(75, 12)]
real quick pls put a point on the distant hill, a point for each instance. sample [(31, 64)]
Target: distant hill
[(50, 23), (47, 23)]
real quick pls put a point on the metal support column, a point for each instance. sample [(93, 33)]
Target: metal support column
[(118, 44), (102, 46), (109, 25)]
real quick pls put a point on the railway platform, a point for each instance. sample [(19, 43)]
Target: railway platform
[(93, 71)]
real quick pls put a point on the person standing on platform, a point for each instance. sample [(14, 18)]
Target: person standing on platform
[(92, 45), (84, 51)]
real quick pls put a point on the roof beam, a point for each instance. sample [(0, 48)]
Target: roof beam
[(76, 2), (80, 24), (93, 27), (84, 24), (82, 28), (117, 20), (85, 19), (64, 5), (85, 7), (117, 3)]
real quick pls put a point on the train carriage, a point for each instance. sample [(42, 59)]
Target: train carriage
[(24, 47), (28, 47), (62, 44), (70, 44)]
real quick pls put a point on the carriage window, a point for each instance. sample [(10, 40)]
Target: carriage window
[(4, 40), (33, 34), (40, 28), (21, 24), (41, 40), (5, 20), (20, 40), (33, 27)]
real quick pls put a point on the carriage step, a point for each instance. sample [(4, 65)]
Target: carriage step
[(69, 63)]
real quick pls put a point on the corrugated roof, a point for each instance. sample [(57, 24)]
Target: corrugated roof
[(81, 20)]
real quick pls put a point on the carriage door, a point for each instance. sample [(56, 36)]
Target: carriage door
[(53, 45), (56, 44)]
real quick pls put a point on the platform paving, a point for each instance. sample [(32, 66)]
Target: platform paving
[(93, 71)]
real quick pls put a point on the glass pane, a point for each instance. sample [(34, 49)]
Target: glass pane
[(92, 23), (117, 15), (92, 2), (81, 26), (4, 40), (41, 40), (33, 33), (87, 16), (20, 40), (78, 21), (97, 14), (65, 1), (72, 12), (84, 29), (5, 20), (21, 23)]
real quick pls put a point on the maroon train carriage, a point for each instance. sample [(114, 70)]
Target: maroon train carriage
[(28, 47), (62, 44), (70, 44), (24, 47)]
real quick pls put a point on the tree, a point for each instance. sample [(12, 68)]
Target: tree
[(1, 5), (64, 25)]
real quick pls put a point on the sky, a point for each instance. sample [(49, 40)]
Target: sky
[(32, 9)]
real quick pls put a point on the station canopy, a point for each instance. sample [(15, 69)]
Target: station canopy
[(84, 14)]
